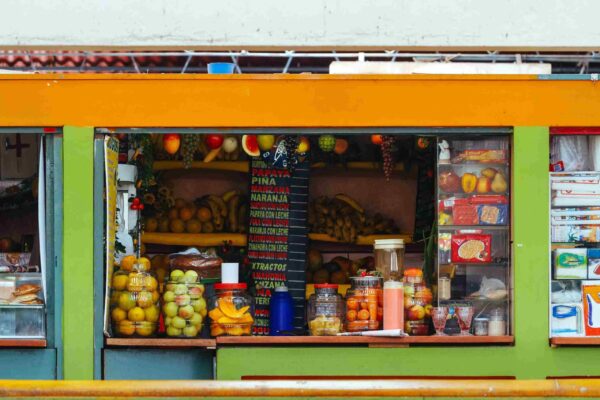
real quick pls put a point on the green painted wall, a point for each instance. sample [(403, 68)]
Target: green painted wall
[(78, 284), (530, 357)]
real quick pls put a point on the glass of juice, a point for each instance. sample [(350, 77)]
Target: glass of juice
[(393, 305), (439, 315)]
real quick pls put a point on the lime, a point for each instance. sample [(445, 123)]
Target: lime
[(265, 142)]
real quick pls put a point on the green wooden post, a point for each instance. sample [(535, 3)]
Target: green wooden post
[(78, 272)]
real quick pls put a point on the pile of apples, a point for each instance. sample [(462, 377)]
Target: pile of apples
[(184, 307)]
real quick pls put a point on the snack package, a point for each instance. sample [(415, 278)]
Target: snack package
[(465, 214), (471, 248), (493, 214), (206, 264), (570, 264), (482, 156)]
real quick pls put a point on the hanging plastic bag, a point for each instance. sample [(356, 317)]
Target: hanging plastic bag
[(572, 152), (595, 152)]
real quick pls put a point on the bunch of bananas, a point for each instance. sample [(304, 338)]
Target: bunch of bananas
[(344, 219), (228, 212)]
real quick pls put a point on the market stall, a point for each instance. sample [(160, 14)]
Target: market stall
[(29, 327)]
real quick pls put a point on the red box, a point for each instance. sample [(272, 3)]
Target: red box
[(471, 248)]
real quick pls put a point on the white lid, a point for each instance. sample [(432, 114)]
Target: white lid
[(281, 289), (392, 285), (389, 244)]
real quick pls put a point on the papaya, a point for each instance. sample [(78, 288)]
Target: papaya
[(246, 319), (235, 331), (228, 308), (215, 314), (216, 330), (227, 320)]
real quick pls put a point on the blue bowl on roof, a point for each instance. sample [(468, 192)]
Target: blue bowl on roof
[(221, 68)]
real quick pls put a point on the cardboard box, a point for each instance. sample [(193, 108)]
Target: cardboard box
[(593, 263), (570, 264)]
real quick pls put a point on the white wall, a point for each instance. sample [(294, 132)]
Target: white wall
[(294, 23)]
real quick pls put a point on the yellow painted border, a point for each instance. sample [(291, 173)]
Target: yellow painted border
[(295, 101)]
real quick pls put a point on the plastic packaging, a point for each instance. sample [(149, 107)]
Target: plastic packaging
[(572, 151), (389, 258), (206, 264), (230, 272), (364, 304), (134, 302), (325, 310), (184, 308), (231, 310), (281, 312)]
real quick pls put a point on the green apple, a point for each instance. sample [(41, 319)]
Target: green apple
[(169, 296), (176, 275), (199, 304), (167, 321), (190, 331), (190, 276), (178, 322), (170, 309), (181, 289), (183, 300), (172, 331), (186, 312), (196, 320)]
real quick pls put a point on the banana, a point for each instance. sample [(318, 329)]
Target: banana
[(220, 203), (350, 201), (232, 218), (228, 195), (212, 154), (215, 211)]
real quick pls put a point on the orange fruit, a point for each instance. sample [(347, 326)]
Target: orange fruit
[(352, 304), (119, 281), (163, 224), (136, 314), (173, 213), (128, 262), (151, 225), (171, 142), (204, 214), (126, 328), (118, 314), (143, 264), (376, 139), (351, 315), (177, 226), (364, 305), (363, 315), (180, 203), (185, 213), (373, 325), (193, 226)]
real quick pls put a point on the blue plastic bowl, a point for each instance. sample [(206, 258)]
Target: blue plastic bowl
[(221, 68)]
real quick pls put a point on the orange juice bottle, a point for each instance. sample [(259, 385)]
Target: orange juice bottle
[(393, 305)]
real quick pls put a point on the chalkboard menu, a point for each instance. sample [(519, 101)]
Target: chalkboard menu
[(278, 237)]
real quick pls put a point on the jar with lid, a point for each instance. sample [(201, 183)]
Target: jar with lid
[(364, 304), (231, 310), (325, 311), (184, 307), (480, 326), (134, 298), (444, 287), (389, 258), (497, 324)]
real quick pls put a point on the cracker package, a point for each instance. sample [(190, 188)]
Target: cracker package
[(471, 248)]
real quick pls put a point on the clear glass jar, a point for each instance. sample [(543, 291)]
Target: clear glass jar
[(418, 303), (480, 326), (389, 258), (497, 324), (231, 310), (444, 287), (364, 304), (325, 312), (134, 299), (184, 307)]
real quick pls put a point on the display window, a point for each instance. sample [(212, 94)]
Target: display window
[(26, 232), (574, 221), (307, 236)]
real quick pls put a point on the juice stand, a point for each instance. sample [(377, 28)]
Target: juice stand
[(510, 233)]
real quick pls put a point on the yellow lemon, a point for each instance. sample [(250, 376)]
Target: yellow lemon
[(126, 301), (151, 313), (144, 329), (265, 142), (136, 314), (155, 296), (144, 299), (118, 314), (119, 281), (151, 283), (126, 328), (143, 264)]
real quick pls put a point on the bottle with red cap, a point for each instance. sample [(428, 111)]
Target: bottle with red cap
[(231, 310), (325, 311)]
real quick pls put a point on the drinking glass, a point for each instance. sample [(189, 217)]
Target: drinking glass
[(439, 315), (465, 316)]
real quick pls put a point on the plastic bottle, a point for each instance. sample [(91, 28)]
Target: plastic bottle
[(393, 305), (281, 312)]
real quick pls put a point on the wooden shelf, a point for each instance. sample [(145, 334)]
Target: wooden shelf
[(362, 240), (23, 343), (357, 165), (575, 341), (361, 340), (194, 239), (234, 166), (161, 342)]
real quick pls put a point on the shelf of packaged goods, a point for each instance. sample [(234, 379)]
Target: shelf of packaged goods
[(362, 340), (15, 342), (575, 341), (233, 166), (194, 239), (161, 342), (474, 227), (362, 240)]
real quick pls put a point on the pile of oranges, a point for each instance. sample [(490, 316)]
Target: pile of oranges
[(364, 309)]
